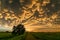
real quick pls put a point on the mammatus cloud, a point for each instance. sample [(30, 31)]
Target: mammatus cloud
[(30, 13)]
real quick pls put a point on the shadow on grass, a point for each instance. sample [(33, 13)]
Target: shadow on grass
[(8, 37), (11, 36)]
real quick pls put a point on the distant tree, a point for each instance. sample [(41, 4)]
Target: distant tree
[(19, 29), (14, 30), (7, 31)]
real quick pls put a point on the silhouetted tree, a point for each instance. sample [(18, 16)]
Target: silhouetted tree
[(19, 29)]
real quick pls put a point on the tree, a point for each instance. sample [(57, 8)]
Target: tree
[(19, 29)]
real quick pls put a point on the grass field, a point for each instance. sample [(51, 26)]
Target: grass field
[(30, 36)]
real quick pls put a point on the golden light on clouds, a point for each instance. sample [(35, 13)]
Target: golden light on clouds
[(10, 1), (54, 16), (45, 2), (32, 13)]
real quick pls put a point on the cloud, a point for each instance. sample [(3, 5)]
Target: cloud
[(30, 12)]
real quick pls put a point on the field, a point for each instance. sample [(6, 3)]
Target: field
[(30, 36)]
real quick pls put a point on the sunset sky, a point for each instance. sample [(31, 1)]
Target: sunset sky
[(33, 14)]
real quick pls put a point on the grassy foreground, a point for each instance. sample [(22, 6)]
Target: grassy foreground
[(31, 36)]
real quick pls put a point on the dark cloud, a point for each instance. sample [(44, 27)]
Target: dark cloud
[(17, 7)]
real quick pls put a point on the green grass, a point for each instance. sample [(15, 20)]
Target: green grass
[(30, 36), (47, 36), (9, 36)]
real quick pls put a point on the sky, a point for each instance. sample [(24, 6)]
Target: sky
[(33, 14)]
